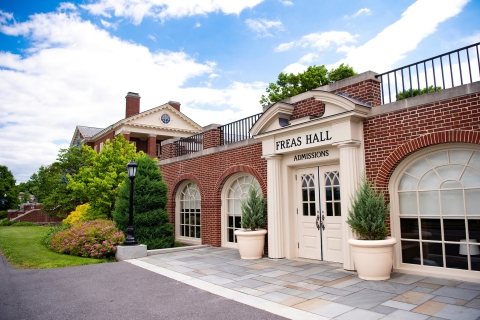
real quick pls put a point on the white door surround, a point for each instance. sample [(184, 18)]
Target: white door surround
[(334, 139)]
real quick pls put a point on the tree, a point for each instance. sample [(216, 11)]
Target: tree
[(150, 220), (98, 183), (8, 190), (289, 85)]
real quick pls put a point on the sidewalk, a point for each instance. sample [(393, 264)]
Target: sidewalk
[(300, 289)]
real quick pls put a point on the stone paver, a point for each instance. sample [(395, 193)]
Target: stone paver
[(324, 289)]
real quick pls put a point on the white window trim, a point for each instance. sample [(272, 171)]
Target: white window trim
[(395, 217), (158, 148), (224, 195), (101, 146), (187, 240)]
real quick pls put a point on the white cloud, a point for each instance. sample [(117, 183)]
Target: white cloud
[(474, 38), (286, 2), (64, 6), (78, 74), (382, 52), (110, 25), (5, 17), (295, 68), (308, 58), (213, 75), (262, 26), (152, 37), (197, 25), (320, 40), (162, 9), (363, 11)]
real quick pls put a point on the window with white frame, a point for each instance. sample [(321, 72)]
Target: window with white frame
[(101, 146), (439, 210), (95, 148), (237, 190), (189, 211), (158, 149)]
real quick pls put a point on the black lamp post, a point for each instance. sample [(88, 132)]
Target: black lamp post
[(132, 171)]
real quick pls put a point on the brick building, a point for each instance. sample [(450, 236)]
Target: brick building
[(307, 154)]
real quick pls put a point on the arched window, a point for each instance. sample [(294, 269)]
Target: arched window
[(188, 226), (235, 190), (439, 210)]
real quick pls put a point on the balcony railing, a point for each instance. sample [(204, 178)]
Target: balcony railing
[(238, 130), (448, 70), (189, 144)]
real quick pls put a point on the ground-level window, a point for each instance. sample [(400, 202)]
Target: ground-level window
[(189, 211), (439, 210), (236, 189), (158, 149)]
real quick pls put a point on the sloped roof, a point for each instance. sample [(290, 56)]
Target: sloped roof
[(88, 132)]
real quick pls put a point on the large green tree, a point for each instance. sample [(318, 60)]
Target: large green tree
[(8, 190), (289, 85), (98, 183), (150, 220)]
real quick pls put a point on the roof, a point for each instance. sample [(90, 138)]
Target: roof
[(88, 132)]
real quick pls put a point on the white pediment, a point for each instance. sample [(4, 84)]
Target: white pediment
[(277, 117), (173, 120)]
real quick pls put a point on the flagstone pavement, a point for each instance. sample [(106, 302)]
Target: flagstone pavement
[(316, 289)]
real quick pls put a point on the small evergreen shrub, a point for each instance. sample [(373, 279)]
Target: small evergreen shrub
[(81, 213), (253, 210), (150, 220), (6, 223), (369, 211), (415, 92), (3, 214), (93, 239)]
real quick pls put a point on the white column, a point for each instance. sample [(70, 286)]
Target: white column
[(349, 177), (274, 206)]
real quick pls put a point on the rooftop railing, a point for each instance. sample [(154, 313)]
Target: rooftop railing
[(238, 130), (189, 144), (448, 70)]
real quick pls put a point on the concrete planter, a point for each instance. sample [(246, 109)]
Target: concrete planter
[(251, 243), (373, 259)]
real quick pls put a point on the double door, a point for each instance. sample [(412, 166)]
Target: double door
[(319, 215)]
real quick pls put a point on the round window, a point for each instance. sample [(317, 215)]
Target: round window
[(165, 118)]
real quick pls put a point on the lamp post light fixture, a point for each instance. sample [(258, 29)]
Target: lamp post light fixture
[(132, 171)]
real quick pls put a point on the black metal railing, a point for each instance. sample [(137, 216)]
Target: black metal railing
[(445, 71), (238, 130), (189, 144)]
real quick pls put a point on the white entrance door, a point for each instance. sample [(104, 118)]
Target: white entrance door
[(319, 215)]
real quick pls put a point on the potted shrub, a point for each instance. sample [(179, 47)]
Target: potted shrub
[(372, 250), (251, 238)]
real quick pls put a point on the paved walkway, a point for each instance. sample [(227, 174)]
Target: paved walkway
[(316, 290)]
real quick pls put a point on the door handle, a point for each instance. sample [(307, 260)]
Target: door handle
[(317, 222), (323, 222)]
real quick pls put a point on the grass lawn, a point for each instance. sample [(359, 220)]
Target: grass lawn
[(23, 249)]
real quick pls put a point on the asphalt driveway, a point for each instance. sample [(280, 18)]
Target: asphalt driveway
[(109, 291)]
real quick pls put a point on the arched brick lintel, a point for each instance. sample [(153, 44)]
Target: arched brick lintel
[(180, 179), (430, 139), (240, 168)]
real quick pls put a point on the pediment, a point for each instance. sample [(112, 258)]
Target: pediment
[(277, 116), (173, 119)]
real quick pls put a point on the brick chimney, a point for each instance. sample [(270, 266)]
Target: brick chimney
[(175, 104), (132, 104)]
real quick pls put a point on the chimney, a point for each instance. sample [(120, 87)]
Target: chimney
[(132, 104), (175, 104)]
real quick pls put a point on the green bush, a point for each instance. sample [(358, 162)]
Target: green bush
[(150, 220), (369, 211), (5, 223), (51, 231), (3, 214), (253, 210), (415, 92), (92, 239)]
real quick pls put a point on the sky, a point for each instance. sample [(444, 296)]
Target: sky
[(64, 64)]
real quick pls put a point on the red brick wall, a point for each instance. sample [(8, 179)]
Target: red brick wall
[(308, 107), (210, 173), (390, 138), (368, 91), (36, 215), (211, 138), (132, 106), (168, 151), (103, 139)]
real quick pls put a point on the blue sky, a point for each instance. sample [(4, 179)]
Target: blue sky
[(64, 64)]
